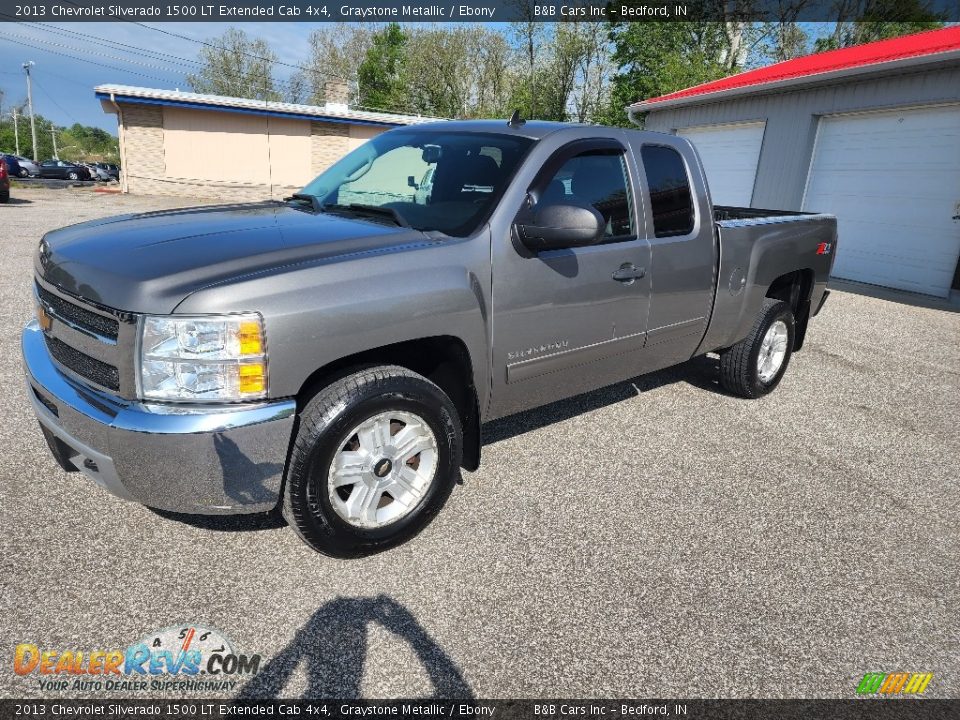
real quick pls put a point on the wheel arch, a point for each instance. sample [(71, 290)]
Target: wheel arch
[(442, 359), (795, 288)]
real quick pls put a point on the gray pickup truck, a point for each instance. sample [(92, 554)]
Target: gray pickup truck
[(336, 354)]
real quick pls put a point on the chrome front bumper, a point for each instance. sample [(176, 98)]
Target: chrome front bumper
[(209, 460)]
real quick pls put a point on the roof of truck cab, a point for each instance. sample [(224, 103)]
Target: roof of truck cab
[(533, 129)]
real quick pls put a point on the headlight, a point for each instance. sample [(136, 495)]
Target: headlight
[(202, 358)]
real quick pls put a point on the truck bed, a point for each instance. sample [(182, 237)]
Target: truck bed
[(730, 212)]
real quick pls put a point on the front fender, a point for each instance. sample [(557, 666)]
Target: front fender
[(317, 314)]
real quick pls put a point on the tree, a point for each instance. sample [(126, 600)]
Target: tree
[(659, 58), (863, 21), (336, 52), (527, 39), (594, 67), (457, 71), (78, 142), (237, 66), (381, 75)]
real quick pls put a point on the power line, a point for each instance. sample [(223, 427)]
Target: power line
[(73, 48), (132, 49), (283, 84), (253, 55), (51, 98), (91, 62), (66, 32)]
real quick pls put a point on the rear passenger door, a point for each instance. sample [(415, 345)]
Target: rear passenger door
[(573, 319), (679, 228)]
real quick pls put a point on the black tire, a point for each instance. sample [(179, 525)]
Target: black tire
[(738, 364), (23, 172), (73, 176), (323, 424)]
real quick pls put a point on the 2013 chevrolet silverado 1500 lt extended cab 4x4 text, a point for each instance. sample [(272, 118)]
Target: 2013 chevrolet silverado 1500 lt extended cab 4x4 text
[(336, 353)]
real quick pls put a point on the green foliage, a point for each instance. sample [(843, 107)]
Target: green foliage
[(382, 74), (660, 58), (236, 66), (77, 143), (870, 20)]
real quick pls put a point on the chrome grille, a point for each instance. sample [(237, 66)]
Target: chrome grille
[(78, 316)]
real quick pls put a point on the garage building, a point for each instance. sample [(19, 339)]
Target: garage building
[(191, 145), (868, 133)]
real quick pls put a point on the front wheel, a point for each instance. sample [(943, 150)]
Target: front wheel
[(73, 176), (376, 456), (23, 172), (755, 365)]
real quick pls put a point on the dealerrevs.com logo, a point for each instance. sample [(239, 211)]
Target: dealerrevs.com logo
[(894, 683), (184, 658)]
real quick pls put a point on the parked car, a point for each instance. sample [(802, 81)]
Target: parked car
[(551, 260), (111, 169), (14, 169), (63, 170), (96, 173), (4, 181), (27, 167)]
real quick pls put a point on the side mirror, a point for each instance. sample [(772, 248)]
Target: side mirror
[(412, 182), (555, 227)]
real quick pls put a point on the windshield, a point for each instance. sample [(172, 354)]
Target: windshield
[(429, 181)]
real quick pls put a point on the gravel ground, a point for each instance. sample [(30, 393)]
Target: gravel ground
[(654, 539)]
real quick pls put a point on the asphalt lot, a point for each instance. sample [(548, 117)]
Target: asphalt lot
[(30, 183), (653, 539)]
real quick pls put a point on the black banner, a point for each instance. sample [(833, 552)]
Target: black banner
[(477, 10), (905, 709)]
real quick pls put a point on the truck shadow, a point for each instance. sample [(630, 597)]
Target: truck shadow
[(226, 523), (234, 465), (702, 372), (332, 647)]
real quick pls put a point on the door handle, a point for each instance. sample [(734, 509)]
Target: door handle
[(627, 273)]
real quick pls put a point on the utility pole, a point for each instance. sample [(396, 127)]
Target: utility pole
[(33, 125), (53, 134), (16, 129)]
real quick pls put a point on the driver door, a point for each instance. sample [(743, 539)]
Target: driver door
[(573, 319)]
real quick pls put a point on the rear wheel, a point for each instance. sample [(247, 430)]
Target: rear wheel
[(755, 365), (23, 172), (376, 456)]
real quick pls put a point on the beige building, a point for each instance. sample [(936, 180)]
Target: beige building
[(185, 144)]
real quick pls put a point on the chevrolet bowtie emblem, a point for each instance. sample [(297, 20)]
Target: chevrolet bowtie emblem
[(43, 318)]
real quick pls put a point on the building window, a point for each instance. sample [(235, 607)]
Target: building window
[(670, 199)]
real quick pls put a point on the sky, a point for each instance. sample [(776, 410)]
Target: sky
[(63, 86)]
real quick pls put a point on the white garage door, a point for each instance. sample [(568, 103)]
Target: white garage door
[(729, 154), (893, 181)]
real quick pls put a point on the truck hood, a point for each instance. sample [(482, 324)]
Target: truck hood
[(150, 262)]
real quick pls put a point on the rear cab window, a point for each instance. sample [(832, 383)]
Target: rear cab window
[(671, 202)]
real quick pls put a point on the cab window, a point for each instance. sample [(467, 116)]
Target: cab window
[(597, 178), (670, 201)]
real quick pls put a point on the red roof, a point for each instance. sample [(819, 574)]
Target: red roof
[(822, 65)]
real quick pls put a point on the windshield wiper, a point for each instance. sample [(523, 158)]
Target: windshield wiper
[(312, 199), (375, 210)]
